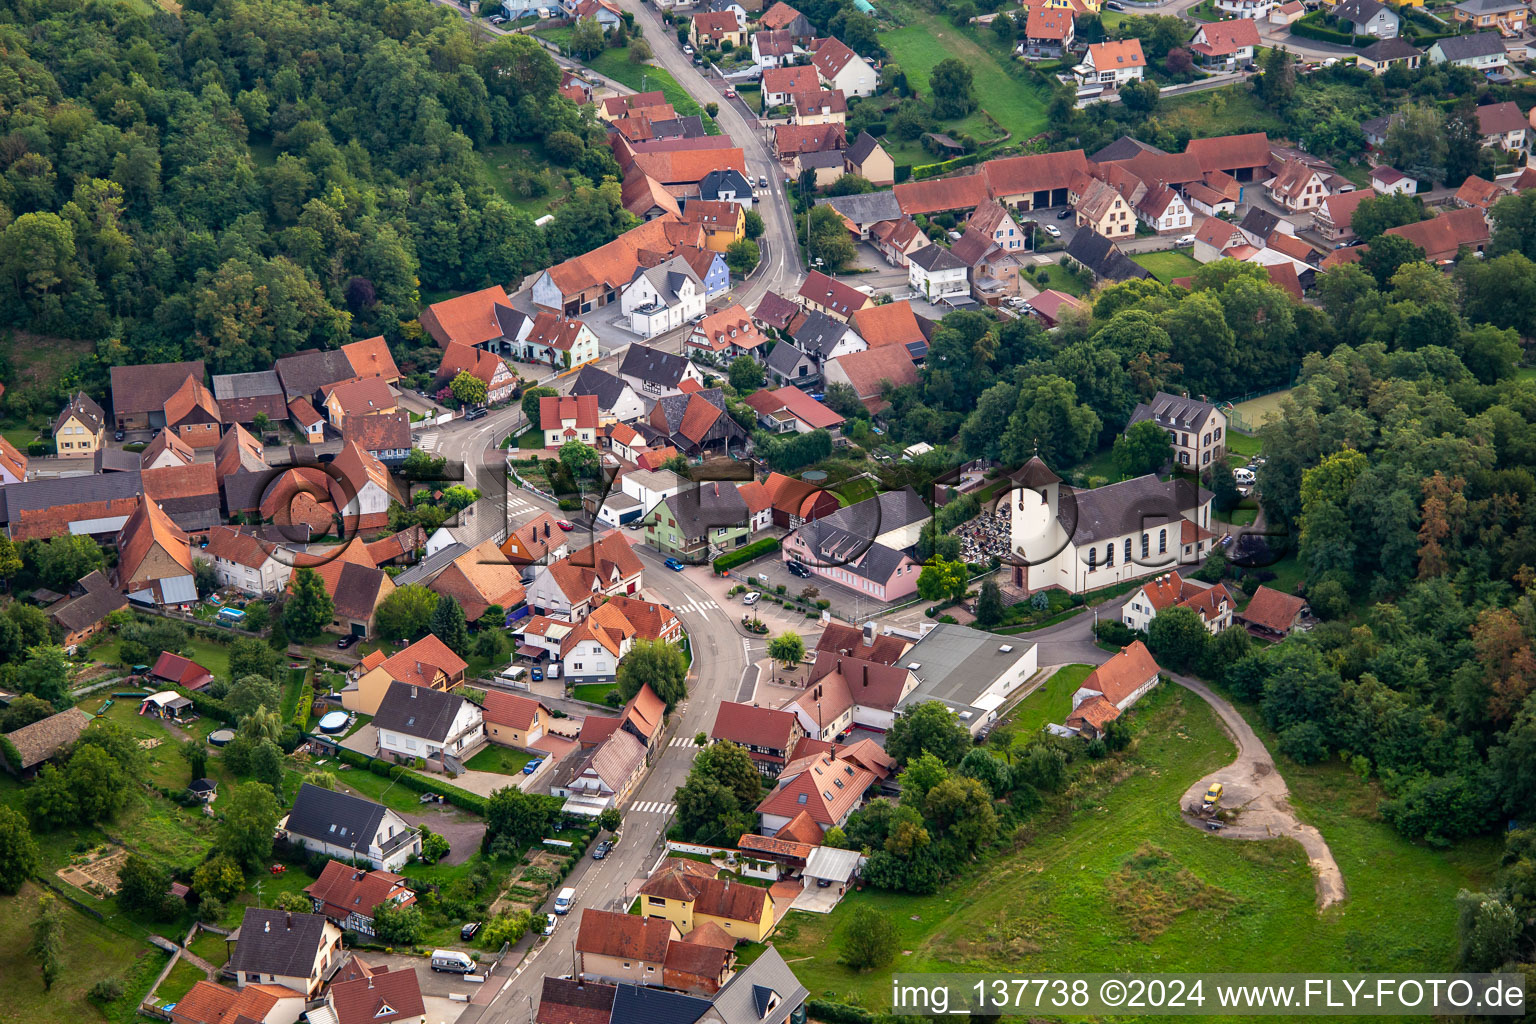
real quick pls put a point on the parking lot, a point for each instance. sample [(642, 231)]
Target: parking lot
[(847, 604)]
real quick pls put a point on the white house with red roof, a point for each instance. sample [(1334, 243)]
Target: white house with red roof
[(1226, 44), (558, 341), (840, 68), (477, 362), (729, 333), (568, 418), (1212, 602), (1112, 64), (826, 786)]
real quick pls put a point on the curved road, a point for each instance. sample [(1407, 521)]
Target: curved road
[(1261, 798)]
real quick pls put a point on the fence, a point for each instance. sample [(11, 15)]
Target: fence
[(1243, 424)]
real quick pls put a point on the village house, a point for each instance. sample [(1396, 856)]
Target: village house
[(729, 333), (565, 418), (1334, 219), (83, 614), (1212, 602), (655, 374), (559, 342), (611, 946), (687, 897), (1196, 428), (782, 84), (79, 428), (1104, 211), (819, 107), (1048, 32), (897, 240), (1388, 180), (1164, 211), (419, 722), (1272, 614), (154, 559), (772, 48), (139, 393), (1379, 57), (513, 720), (661, 298), (788, 409), (1112, 64), (1225, 44), (1367, 18), (1298, 187), (782, 17), (307, 420), (245, 563), (385, 435), (1443, 236), (480, 579), (1503, 126), (164, 450), (840, 68), (426, 663), (826, 786), (937, 274), (869, 160), (569, 587), (1478, 194), (349, 828), (709, 29), (1482, 52), (724, 222), (1114, 687), (485, 366), (767, 734), (193, 413), (537, 542), (360, 396), (211, 1003), (377, 996), (294, 951), (826, 295), (1507, 17), (350, 896), (616, 400)]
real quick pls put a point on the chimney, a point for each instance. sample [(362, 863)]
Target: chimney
[(290, 922)]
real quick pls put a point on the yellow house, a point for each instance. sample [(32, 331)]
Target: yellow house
[(1075, 6), (359, 396), (80, 428), (686, 893), (723, 222), (427, 662), (514, 721), (1105, 210)]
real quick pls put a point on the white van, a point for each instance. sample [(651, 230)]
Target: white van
[(452, 961), (1243, 475), (563, 901)]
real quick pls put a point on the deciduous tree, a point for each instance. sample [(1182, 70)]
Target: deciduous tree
[(656, 664)]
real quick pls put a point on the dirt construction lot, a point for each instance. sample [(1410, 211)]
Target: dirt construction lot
[(1257, 792)]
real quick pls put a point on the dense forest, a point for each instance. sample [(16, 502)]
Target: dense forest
[(255, 176)]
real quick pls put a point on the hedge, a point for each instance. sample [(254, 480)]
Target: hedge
[(903, 172), (207, 705), (757, 548), (838, 1013), (1312, 27), (420, 783), (934, 170)]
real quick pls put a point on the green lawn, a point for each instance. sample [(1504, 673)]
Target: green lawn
[(1052, 703), (614, 64), (179, 982), (1061, 279), (20, 437), (92, 951), (1226, 111), (927, 39), (212, 947), (523, 176), (1120, 883), (1100, 464), (499, 759), (594, 692), (1166, 266), (1243, 445)]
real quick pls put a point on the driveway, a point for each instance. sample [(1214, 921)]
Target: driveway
[(365, 741), (1258, 793)]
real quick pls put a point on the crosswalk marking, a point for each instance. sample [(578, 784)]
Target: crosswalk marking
[(653, 807), (427, 442), (682, 741), (696, 604)]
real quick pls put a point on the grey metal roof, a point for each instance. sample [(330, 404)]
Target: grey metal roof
[(637, 1004), (607, 388), (246, 385), (853, 551), (667, 277), (956, 664), (830, 862), (690, 127), (1172, 411), (1103, 257), (887, 511), (1260, 222), (278, 942), (1480, 44), (819, 334), (427, 570), (1128, 507), (766, 991), (652, 364), (1123, 148), (334, 817), (70, 490), (509, 321), (866, 207), (1396, 48), (417, 711), (724, 180), (935, 257)]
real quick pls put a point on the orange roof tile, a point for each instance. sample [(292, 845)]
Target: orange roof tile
[(469, 319), (1123, 673), (370, 358)]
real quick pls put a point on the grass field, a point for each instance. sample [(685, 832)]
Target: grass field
[(614, 64), (179, 982), (1250, 415), (1227, 111), (927, 39), (214, 657), (508, 165), (212, 947), (92, 951), (495, 758), (594, 692), (1166, 266), (1051, 703), (1062, 280), (1243, 445), (1121, 883)]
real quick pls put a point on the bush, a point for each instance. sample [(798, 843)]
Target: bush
[(741, 555), (838, 1013), (1113, 631), (107, 989)]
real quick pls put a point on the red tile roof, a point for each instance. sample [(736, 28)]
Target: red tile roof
[(749, 725), (624, 936), (791, 80), (1229, 152), (778, 16), (1048, 23), (469, 319), (555, 410), (825, 786), (343, 890), (940, 194), (1224, 37), (370, 358), (868, 370), (1442, 236), (419, 663), (510, 709), (1273, 609), (388, 996), (360, 396), (842, 299), (184, 672), (1095, 711), (891, 324), (1122, 674)]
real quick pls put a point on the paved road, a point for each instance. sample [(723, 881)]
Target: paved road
[(1258, 791)]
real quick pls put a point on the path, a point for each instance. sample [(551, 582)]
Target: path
[(1261, 798)]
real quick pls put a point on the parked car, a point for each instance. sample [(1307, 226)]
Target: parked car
[(797, 569), (688, 49), (565, 524), (497, 19), (532, 766), (117, 435), (537, 674), (1052, 230), (468, 931), (751, 597), (1064, 214), (550, 920), (601, 850), (674, 565), (477, 414), (1185, 240), (345, 642), (730, 94)]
